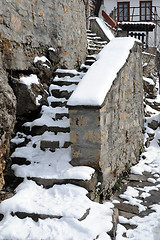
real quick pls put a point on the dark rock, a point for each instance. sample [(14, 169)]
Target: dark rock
[(34, 216), (26, 98), (84, 215), (150, 90), (153, 124), (52, 145), (127, 208)]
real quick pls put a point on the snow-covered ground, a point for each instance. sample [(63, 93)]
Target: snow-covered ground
[(63, 211), (147, 227)]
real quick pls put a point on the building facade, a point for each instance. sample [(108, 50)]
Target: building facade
[(140, 19)]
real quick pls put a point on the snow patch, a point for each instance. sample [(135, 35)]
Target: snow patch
[(42, 59), (29, 80)]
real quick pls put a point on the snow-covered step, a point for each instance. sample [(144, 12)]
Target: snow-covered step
[(59, 116), (70, 88), (71, 213), (61, 140), (89, 62), (93, 51), (20, 161), (99, 42), (47, 164), (62, 91), (93, 38), (59, 94), (91, 34), (58, 104), (38, 130), (91, 57), (98, 47), (84, 67), (67, 80), (66, 72), (46, 123), (91, 185)]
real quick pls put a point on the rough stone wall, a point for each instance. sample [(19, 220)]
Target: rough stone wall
[(110, 138), (7, 119), (29, 28), (150, 62)]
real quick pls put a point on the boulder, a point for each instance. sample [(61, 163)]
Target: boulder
[(29, 97), (153, 124)]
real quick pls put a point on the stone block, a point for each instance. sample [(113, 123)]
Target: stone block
[(16, 23), (74, 136), (93, 136)]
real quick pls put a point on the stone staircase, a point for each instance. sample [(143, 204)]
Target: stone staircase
[(42, 155)]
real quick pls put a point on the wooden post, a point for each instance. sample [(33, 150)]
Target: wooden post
[(155, 30), (146, 39)]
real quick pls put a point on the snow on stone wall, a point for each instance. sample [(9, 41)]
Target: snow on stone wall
[(109, 137), (102, 73)]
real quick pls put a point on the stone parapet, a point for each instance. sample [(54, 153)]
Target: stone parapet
[(109, 137)]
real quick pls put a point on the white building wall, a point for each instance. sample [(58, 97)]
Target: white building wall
[(109, 5)]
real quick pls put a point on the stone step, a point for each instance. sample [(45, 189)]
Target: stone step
[(93, 38), (91, 34), (92, 51), (53, 145), (20, 161), (35, 216), (91, 57), (59, 116), (64, 72), (90, 185), (89, 62), (98, 46), (58, 104), (39, 130), (153, 104), (99, 42), (84, 68), (61, 94), (64, 83)]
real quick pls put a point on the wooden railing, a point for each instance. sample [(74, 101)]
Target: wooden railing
[(136, 16)]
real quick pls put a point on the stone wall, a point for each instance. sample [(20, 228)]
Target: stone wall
[(7, 120), (29, 28), (110, 138)]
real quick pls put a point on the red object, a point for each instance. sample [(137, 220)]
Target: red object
[(108, 19)]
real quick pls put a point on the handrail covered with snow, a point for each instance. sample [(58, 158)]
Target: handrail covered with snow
[(94, 86), (104, 28)]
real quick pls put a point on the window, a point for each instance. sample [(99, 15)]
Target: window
[(145, 10), (123, 11)]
